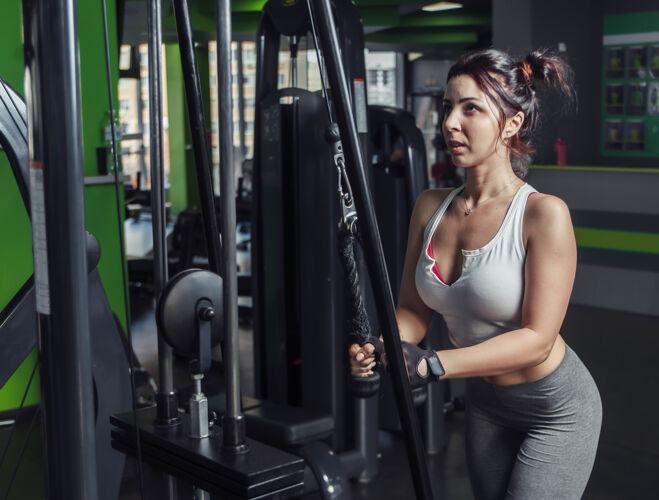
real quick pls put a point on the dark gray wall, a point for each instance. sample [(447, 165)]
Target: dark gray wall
[(511, 23), (579, 25)]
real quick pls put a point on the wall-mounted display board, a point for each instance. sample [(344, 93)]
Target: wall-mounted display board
[(630, 85)]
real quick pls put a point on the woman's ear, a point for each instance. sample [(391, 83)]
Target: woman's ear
[(513, 124)]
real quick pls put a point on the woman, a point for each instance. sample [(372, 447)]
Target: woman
[(497, 260)]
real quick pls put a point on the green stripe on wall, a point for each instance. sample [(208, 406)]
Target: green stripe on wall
[(426, 19), (626, 241), (422, 35), (626, 170), (379, 16), (641, 22)]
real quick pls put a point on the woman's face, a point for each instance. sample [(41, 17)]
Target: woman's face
[(470, 124)]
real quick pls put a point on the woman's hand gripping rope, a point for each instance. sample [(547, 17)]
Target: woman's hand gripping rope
[(365, 357)]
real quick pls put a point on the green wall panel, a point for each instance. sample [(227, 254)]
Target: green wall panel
[(101, 214), (11, 49), (178, 180), (93, 75), (12, 392), (631, 23)]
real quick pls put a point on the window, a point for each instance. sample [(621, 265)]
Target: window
[(381, 77), (134, 120), (242, 151)]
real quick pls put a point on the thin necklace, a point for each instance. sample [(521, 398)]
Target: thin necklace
[(469, 209)]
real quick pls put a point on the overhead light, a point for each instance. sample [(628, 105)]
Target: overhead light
[(413, 56), (436, 7)]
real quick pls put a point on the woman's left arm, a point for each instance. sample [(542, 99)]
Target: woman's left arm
[(549, 271)]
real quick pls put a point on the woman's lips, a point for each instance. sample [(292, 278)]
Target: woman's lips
[(456, 147)]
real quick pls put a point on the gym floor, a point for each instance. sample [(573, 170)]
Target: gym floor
[(627, 462)]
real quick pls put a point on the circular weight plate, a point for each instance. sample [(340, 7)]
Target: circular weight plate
[(176, 311)]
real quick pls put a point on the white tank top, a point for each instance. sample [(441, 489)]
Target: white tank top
[(486, 300)]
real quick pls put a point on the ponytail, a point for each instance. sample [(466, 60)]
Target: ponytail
[(553, 71)]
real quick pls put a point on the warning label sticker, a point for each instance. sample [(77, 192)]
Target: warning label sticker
[(360, 105), (39, 247)]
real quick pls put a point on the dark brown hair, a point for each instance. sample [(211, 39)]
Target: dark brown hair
[(510, 84)]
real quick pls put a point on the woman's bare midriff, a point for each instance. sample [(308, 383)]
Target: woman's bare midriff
[(534, 372)]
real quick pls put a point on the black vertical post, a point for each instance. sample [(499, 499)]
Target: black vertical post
[(233, 425), (52, 84), (167, 398), (374, 255), (198, 129)]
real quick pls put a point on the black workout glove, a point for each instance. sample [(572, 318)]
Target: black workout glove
[(378, 352), (413, 355)]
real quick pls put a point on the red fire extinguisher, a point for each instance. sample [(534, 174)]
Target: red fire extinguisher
[(561, 151)]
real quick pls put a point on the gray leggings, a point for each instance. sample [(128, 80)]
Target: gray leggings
[(533, 440)]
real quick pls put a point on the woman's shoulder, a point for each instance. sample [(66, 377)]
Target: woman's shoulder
[(546, 213), (542, 206)]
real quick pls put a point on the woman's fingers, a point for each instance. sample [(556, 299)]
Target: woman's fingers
[(357, 353), (362, 371), (368, 348), (362, 360), (361, 354)]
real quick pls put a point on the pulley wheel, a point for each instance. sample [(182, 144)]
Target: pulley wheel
[(177, 306)]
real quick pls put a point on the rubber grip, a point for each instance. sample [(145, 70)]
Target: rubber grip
[(365, 387)]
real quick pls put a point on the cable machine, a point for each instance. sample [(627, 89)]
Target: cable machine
[(299, 289), (192, 315), (300, 301)]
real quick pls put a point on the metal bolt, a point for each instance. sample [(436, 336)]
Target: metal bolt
[(207, 313)]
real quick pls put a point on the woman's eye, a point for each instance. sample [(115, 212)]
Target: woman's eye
[(472, 107)]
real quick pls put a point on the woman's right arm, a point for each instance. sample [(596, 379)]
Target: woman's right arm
[(412, 314)]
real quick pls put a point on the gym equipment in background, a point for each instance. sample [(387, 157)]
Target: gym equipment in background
[(371, 245), (301, 308), (398, 158), (220, 460)]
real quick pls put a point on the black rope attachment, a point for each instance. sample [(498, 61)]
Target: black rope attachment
[(360, 328)]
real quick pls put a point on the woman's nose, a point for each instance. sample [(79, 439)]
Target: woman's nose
[(451, 121)]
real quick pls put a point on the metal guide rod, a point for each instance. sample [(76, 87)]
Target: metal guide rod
[(160, 270), (233, 426), (52, 82), (322, 12), (241, 101), (198, 129)]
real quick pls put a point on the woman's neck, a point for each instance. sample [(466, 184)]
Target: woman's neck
[(489, 181)]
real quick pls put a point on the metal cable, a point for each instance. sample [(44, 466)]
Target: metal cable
[(122, 247), (323, 80), (22, 452), (11, 433)]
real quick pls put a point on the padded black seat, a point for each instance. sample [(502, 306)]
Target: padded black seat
[(279, 425)]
